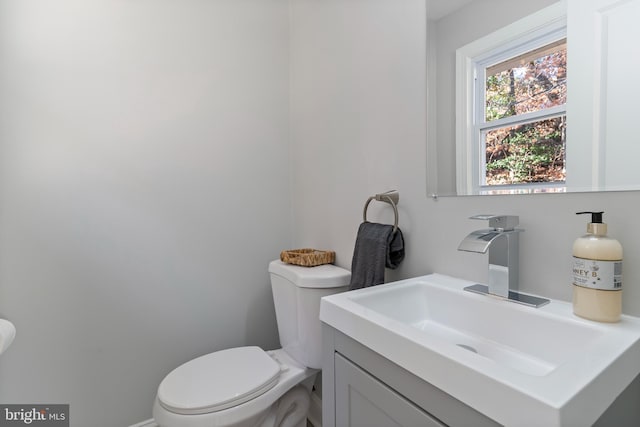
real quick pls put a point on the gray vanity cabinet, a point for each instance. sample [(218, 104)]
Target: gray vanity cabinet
[(363, 389), (360, 388), (363, 401)]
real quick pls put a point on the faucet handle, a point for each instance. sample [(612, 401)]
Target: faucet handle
[(499, 222)]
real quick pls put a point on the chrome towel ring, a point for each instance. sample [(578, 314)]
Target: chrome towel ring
[(392, 197)]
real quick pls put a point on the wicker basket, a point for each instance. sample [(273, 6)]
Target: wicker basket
[(307, 257)]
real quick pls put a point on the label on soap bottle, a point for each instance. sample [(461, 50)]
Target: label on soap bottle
[(594, 274)]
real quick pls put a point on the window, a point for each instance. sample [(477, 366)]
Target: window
[(511, 108)]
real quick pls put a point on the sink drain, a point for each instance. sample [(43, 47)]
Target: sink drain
[(467, 347)]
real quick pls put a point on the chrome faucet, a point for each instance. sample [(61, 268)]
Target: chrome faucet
[(502, 242)]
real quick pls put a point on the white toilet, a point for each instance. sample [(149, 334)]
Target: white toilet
[(246, 386)]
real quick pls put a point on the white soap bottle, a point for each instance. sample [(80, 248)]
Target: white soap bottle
[(597, 273)]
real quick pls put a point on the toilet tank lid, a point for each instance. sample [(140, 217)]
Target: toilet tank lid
[(321, 276)]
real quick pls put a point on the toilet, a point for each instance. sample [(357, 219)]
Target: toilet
[(250, 387)]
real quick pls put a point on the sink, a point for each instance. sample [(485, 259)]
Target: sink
[(505, 360), (523, 340)]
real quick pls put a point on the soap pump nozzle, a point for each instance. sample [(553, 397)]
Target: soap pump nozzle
[(596, 226)]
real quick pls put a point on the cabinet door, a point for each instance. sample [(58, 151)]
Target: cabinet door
[(364, 401)]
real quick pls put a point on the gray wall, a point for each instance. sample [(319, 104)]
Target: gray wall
[(144, 187)]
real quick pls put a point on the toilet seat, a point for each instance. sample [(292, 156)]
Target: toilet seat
[(218, 381), (248, 413)]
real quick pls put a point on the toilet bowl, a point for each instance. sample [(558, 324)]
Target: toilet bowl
[(250, 387)]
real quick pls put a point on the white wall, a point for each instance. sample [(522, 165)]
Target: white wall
[(145, 180), (358, 115), (360, 128), (144, 187)]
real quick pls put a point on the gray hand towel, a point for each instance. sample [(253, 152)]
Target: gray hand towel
[(377, 247)]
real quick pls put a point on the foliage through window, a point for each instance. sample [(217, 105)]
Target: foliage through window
[(519, 148)]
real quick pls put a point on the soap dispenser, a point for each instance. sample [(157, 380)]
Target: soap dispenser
[(597, 273)]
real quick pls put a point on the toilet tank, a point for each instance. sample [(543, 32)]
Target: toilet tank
[(296, 296)]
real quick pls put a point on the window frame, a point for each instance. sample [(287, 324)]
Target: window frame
[(543, 27)]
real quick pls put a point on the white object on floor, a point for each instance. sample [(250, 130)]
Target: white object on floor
[(7, 334)]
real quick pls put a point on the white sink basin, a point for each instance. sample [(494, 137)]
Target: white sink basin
[(518, 365)]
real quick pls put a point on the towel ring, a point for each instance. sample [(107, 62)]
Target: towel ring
[(390, 197)]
